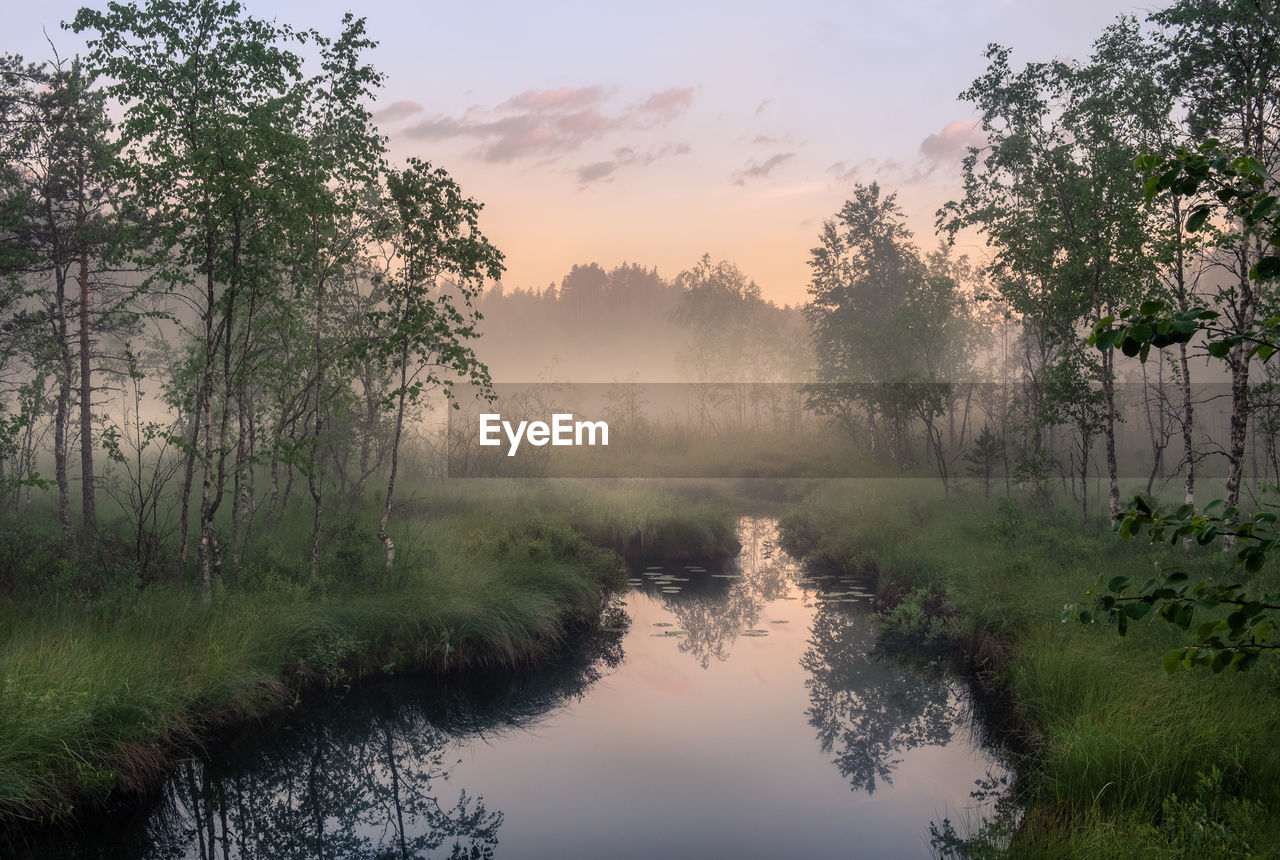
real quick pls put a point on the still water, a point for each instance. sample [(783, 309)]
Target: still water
[(733, 711)]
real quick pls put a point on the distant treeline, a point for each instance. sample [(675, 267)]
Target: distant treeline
[(631, 324)]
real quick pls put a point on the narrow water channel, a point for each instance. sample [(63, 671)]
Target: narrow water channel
[(732, 711)]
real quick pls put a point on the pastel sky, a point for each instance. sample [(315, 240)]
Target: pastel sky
[(655, 132)]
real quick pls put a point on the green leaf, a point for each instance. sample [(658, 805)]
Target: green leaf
[(1146, 162), (1171, 661), (1197, 218), (1118, 584), (1166, 180), (1136, 610), (1250, 168), (1267, 269), (1262, 208), (1182, 616), (1148, 308)]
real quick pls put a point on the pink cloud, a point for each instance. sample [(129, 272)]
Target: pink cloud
[(551, 123), (669, 104), (953, 141), (397, 111), (760, 169), (625, 157), (557, 99)]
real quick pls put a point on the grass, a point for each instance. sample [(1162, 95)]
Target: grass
[(102, 681), (1110, 740)]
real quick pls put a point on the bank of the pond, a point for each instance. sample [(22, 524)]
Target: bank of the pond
[(1117, 758), (102, 689)]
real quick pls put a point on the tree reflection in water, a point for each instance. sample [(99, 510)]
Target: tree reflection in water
[(869, 710), (320, 792), (362, 778), (714, 617)]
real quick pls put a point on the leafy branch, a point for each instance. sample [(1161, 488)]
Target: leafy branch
[(1225, 188), (1233, 642)]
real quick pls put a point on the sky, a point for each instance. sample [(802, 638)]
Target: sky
[(656, 132)]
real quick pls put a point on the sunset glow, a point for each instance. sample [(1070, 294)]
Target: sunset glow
[(655, 134)]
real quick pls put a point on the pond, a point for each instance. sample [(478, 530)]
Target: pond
[(733, 711)]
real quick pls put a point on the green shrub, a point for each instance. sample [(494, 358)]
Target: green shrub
[(1212, 825)]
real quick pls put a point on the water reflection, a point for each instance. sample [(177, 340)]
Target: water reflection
[(989, 834), (366, 776), (714, 606), (324, 790), (868, 711)]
